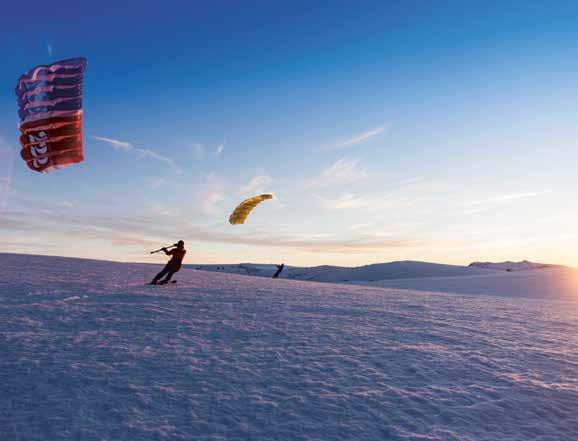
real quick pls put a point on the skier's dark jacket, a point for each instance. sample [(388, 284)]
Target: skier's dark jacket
[(177, 259)]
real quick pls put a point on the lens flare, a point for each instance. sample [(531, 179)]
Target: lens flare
[(570, 283)]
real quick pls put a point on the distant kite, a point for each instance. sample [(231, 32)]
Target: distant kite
[(50, 112), (244, 208)]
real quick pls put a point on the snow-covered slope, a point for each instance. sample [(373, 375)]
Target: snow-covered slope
[(367, 273), (554, 283), (512, 266), (90, 353)]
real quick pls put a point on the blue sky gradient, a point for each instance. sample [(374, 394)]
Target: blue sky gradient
[(388, 130)]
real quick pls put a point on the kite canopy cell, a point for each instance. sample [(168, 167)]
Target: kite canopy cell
[(50, 113), (242, 210)]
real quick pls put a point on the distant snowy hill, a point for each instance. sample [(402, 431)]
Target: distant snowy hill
[(554, 283), (512, 266), (368, 273), (88, 352)]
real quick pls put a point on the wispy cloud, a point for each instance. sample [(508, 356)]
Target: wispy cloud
[(161, 210), (66, 204), (476, 210), (257, 184), (119, 145), (220, 148), (347, 201), (211, 201), (358, 139), (409, 181), (210, 195), (29, 201), (23, 245), (350, 201), (49, 49), (342, 171), (121, 231), (361, 226), (144, 153), (380, 234), (510, 197), (484, 205)]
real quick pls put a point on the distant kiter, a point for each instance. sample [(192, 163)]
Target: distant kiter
[(174, 265), (279, 269)]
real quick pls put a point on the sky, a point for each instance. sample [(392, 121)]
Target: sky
[(387, 130)]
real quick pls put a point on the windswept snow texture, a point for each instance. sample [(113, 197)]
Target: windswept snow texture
[(90, 353), (332, 274)]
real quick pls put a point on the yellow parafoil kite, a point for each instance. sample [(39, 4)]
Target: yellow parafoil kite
[(242, 210)]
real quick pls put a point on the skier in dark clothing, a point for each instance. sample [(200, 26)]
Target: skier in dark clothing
[(174, 265), (279, 269)]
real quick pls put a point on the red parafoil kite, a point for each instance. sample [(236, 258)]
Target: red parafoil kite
[(50, 111)]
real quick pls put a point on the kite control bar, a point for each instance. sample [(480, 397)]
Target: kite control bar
[(163, 248)]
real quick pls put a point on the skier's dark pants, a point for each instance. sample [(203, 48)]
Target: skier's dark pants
[(168, 270)]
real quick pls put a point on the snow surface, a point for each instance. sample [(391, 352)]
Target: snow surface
[(367, 273), (554, 283), (90, 353)]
